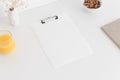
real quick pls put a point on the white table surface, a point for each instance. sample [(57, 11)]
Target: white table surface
[(28, 62)]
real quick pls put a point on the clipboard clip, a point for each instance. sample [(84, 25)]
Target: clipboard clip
[(48, 19)]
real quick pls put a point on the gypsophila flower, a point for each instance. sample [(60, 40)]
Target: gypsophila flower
[(13, 4)]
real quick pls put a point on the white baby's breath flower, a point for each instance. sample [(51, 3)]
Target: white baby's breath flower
[(14, 4)]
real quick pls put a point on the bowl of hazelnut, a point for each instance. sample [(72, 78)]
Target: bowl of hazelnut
[(92, 5)]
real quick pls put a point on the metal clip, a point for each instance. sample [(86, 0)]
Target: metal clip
[(43, 21)]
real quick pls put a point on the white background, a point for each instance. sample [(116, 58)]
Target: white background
[(32, 64)]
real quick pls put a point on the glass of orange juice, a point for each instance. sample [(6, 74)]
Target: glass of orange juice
[(7, 43)]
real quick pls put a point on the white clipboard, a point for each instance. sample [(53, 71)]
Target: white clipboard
[(61, 40)]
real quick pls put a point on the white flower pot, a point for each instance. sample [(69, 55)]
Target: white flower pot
[(13, 17)]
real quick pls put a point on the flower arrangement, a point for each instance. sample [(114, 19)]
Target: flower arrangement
[(11, 7), (13, 4)]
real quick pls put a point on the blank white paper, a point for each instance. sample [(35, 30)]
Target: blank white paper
[(61, 41)]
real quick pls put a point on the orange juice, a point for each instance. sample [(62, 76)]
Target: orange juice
[(7, 44)]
